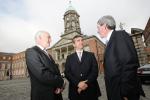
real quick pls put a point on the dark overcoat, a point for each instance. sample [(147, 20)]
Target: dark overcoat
[(44, 75), (120, 67), (86, 69)]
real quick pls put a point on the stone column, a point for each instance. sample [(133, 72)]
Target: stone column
[(60, 54), (56, 55), (67, 51)]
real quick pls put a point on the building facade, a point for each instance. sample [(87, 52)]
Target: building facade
[(5, 66), (12, 66), (146, 34), (19, 68), (137, 36)]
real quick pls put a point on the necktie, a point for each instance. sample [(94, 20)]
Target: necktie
[(47, 54), (80, 55)]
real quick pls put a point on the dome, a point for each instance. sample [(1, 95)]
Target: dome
[(70, 7)]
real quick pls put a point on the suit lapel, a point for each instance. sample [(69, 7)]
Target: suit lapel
[(76, 57), (111, 39), (109, 43), (39, 50), (83, 56), (42, 53), (47, 55)]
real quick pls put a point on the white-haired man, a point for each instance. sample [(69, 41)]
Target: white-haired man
[(46, 81), (120, 62)]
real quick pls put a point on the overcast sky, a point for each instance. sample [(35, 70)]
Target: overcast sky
[(21, 19)]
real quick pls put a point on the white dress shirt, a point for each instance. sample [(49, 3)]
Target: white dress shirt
[(108, 36), (43, 49)]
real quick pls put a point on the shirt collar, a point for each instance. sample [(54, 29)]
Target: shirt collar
[(79, 51), (40, 47)]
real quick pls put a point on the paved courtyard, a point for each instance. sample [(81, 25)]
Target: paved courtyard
[(20, 89)]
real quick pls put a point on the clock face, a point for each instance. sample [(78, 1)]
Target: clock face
[(67, 18)]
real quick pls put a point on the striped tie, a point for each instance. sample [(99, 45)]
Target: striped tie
[(47, 53)]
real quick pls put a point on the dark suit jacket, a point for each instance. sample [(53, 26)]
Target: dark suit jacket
[(76, 71), (120, 67), (44, 75)]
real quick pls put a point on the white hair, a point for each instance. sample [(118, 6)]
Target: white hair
[(39, 33), (108, 20)]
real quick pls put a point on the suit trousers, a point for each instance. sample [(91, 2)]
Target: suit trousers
[(134, 97), (96, 98)]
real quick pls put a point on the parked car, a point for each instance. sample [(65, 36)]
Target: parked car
[(144, 73)]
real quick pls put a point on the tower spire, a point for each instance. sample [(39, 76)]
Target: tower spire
[(69, 2)]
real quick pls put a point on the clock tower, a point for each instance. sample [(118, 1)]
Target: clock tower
[(71, 22)]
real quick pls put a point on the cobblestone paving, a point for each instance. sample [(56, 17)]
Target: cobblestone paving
[(20, 89)]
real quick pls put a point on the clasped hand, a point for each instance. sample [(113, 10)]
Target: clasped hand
[(82, 86), (58, 90)]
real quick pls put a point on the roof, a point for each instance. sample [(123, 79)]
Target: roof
[(6, 54), (134, 30), (64, 41)]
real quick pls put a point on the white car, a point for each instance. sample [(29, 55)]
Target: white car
[(144, 73)]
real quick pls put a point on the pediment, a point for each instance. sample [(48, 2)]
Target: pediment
[(62, 42)]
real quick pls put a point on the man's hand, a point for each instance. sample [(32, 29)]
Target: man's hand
[(82, 86), (58, 91), (125, 98), (79, 90), (82, 89)]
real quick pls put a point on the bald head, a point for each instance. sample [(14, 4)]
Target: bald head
[(39, 33), (43, 39)]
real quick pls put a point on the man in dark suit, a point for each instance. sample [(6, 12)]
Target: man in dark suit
[(81, 70), (46, 81), (120, 62)]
